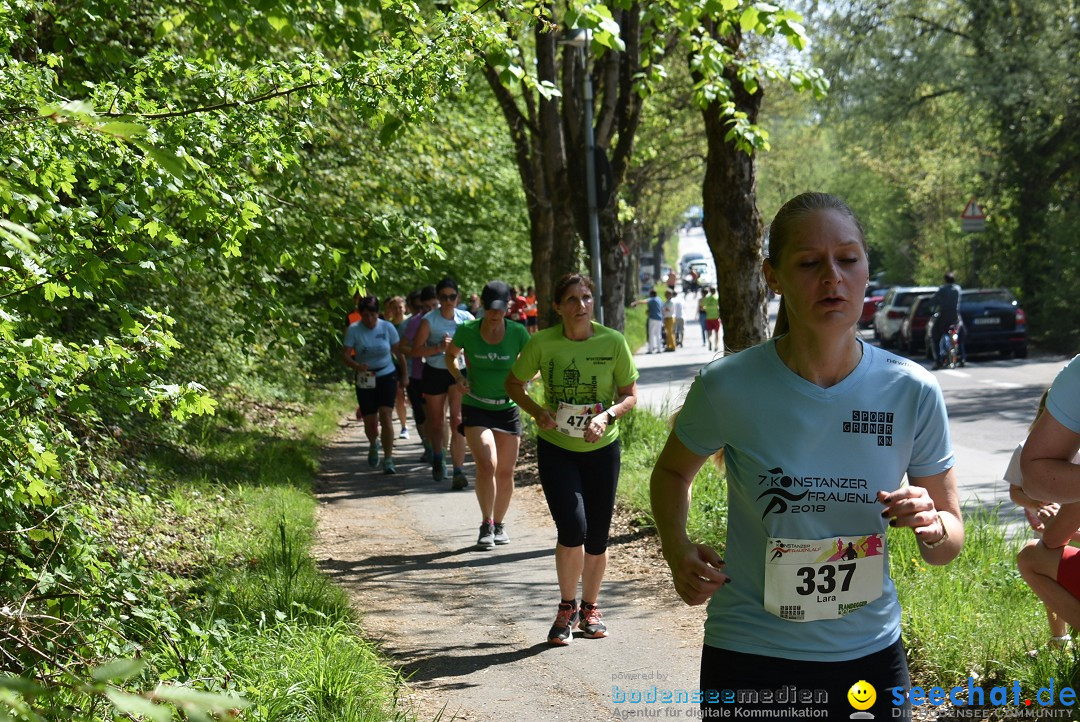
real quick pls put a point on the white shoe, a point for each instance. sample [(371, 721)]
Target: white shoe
[(404, 433)]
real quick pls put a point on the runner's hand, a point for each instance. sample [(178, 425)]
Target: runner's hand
[(695, 570), (545, 419), (595, 428), (1047, 512), (911, 506), (463, 383)]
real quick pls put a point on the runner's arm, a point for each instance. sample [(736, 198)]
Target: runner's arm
[(452, 353), (1046, 462), (695, 568), (929, 506), (515, 389), (1063, 527)]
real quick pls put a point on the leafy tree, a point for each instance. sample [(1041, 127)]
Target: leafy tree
[(996, 111)]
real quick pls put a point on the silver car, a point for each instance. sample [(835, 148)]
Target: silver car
[(892, 311)]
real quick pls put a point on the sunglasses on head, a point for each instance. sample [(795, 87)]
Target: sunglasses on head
[(447, 296)]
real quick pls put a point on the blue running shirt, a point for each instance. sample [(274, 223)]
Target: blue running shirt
[(805, 462)]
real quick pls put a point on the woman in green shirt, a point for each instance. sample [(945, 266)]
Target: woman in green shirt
[(489, 419), (589, 381)]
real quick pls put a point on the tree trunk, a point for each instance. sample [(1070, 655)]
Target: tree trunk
[(732, 222)]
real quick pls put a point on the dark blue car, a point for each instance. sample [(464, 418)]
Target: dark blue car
[(993, 320)]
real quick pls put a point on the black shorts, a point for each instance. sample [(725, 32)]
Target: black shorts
[(532, 321), (580, 490), (726, 674), (384, 395), (415, 392), (437, 381), (506, 420)]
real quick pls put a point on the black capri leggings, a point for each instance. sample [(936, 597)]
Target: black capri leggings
[(580, 491)]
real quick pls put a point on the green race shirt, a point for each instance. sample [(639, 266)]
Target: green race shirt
[(578, 372), (712, 306), (489, 364)]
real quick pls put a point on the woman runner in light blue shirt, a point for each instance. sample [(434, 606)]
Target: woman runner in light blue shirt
[(818, 430)]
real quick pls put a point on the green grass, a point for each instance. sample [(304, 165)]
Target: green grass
[(261, 620), (974, 617), (635, 330)]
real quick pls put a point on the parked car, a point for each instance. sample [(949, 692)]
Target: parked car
[(993, 321), (687, 259), (892, 311), (873, 297), (913, 327)]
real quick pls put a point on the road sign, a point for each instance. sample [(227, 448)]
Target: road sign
[(973, 220)]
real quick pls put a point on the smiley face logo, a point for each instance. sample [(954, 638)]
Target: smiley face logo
[(862, 695)]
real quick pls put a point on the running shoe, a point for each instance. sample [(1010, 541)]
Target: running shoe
[(404, 433), (460, 480), (373, 455), (438, 468), (565, 620), (501, 536), (590, 623), (388, 466), (486, 540)]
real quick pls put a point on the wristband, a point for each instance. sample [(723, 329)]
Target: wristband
[(942, 540)]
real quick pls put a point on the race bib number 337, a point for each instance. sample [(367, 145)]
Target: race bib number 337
[(811, 579)]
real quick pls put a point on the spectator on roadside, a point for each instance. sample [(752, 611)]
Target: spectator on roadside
[(946, 305), (654, 321), (779, 409), (679, 323), (667, 311), (1050, 470), (1043, 565), (1047, 460)]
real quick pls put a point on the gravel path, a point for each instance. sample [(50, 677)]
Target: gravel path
[(469, 626)]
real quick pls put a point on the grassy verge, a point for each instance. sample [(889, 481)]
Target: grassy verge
[(232, 520), (635, 329), (975, 617)]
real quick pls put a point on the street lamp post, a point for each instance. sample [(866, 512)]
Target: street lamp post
[(580, 39)]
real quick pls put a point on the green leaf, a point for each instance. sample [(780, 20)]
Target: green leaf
[(22, 685), (277, 22), (118, 670), (169, 161), (122, 130), (187, 697), (749, 19), (136, 705)]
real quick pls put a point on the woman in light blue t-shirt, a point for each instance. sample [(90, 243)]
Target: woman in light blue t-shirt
[(432, 339), (818, 430)]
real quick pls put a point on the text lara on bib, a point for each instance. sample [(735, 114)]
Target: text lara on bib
[(811, 579)]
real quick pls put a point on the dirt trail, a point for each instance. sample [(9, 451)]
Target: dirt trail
[(470, 626)]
